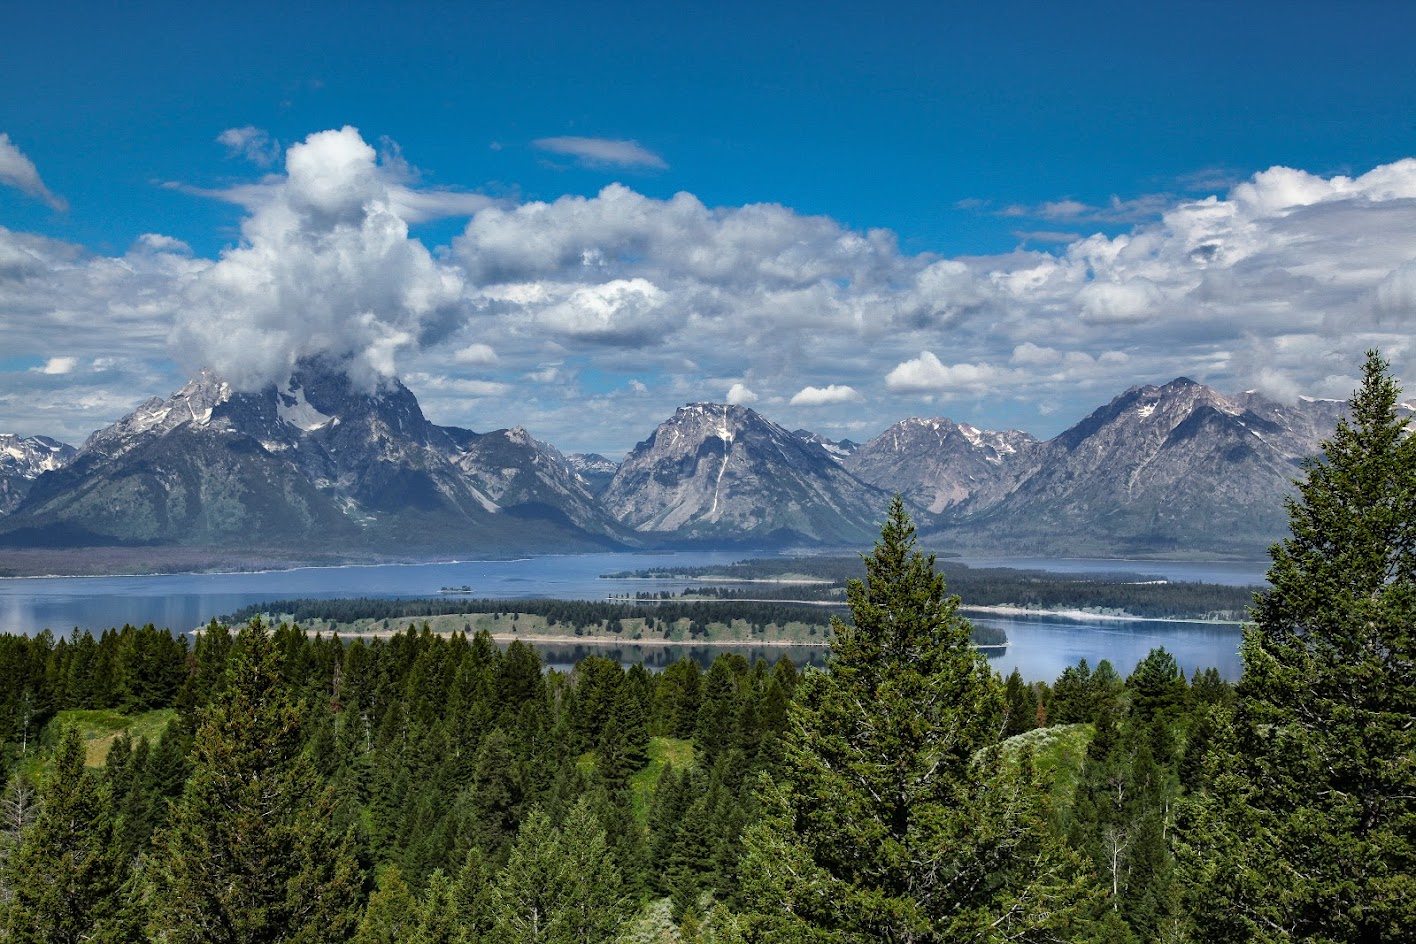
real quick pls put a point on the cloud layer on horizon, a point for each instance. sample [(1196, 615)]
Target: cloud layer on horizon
[(589, 318)]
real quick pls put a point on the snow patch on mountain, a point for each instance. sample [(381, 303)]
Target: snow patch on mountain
[(294, 410)]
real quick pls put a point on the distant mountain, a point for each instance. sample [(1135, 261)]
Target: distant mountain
[(938, 464), (319, 464), (530, 479), (315, 462), (594, 469), (725, 473), (1176, 468), (837, 449), (23, 460)]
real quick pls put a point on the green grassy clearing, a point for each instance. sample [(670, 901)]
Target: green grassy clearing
[(98, 728)]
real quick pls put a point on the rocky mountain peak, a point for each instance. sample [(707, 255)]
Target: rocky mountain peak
[(194, 404), (720, 470), (938, 463), (24, 459)]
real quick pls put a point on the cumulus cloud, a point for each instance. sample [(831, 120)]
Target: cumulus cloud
[(325, 268), (740, 395), (59, 365), (926, 373), (1134, 299), (621, 310), (19, 172), (603, 151), (821, 396), (251, 143), (1029, 354), (476, 355)]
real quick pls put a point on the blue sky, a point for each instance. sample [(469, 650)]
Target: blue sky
[(991, 213)]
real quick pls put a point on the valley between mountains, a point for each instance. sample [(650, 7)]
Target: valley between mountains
[(317, 470)]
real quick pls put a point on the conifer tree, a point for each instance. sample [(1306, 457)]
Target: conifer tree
[(65, 876), (528, 894), (1309, 828), (249, 855), (391, 916), (895, 819)]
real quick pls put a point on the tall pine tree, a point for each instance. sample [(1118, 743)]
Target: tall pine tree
[(895, 818), (250, 856), (1308, 831), (66, 873)]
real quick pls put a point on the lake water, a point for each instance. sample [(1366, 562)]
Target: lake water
[(1039, 647)]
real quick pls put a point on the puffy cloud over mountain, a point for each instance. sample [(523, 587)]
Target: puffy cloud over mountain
[(541, 313)]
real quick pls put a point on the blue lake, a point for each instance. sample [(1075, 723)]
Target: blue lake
[(1039, 647)]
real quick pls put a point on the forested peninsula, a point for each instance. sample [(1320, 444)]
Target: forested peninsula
[(1140, 596), (261, 783)]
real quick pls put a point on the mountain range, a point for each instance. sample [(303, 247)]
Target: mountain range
[(319, 463)]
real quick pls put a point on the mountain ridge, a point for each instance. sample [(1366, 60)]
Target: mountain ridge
[(1171, 468)]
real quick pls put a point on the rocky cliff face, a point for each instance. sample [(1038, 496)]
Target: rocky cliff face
[(531, 479), (724, 472), (937, 464), (595, 470), (22, 460), (837, 449), (1169, 468)]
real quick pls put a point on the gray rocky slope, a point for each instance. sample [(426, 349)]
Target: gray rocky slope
[(938, 464), (720, 472), (1175, 468), (24, 459)]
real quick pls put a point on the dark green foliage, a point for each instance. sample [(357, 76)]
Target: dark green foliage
[(894, 818), (1020, 701), (249, 855), (1157, 685), (1307, 829), (65, 875)]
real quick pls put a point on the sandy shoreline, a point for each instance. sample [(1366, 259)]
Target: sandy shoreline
[(1085, 616)]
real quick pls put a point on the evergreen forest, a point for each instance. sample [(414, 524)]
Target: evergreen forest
[(258, 783)]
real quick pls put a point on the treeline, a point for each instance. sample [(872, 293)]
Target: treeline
[(566, 613), (390, 771), (573, 615), (1130, 594)]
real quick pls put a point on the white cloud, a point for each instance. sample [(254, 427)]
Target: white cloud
[(251, 143), (619, 310), (59, 365), (19, 172), (603, 151), (740, 395), (325, 267), (821, 396), (1135, 299), (1029, 354), (475, 355), (927, 374), (434, 385)]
